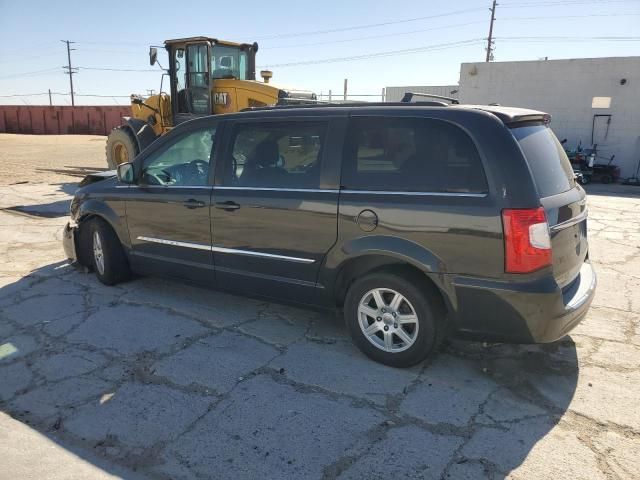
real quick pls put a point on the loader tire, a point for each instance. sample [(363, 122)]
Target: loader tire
[(121, 147)]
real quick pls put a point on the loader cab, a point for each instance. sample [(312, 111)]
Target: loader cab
[(194, 66)]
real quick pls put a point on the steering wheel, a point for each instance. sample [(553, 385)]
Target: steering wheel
[(152, 178)]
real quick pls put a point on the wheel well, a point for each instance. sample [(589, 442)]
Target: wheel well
[(361, 266)]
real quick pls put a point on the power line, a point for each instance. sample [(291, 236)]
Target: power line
[(561, 3), (32, 73), (109, 69), (442, 27), (30, 57), (555, 39), (369, 25), (63, 94), (30, 94), (442, 46), (564, 17), (372, 37)]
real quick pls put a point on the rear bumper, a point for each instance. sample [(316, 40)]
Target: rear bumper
[(529, 312), (69, 241)]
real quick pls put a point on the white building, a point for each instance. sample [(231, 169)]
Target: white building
[(395, 94), (591, 100)]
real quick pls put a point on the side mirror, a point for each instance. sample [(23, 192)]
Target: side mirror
[(125, 173), (153, 55)]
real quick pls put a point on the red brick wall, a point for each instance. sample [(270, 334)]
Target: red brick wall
[(43, 120)]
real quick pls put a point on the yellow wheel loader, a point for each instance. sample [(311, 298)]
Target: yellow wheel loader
[(207, 77)]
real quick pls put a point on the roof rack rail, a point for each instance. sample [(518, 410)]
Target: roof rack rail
[(319, 104), (408, 96)]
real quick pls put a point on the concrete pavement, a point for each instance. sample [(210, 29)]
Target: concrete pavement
[(156, 379)]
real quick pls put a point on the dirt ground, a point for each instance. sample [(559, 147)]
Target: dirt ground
[(49, 158), (158, 379)]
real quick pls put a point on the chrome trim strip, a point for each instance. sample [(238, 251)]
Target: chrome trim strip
[(424, 194), (250, 253), (200, 187), (572, 221), (197, 246), (269, 189), (263, 255)]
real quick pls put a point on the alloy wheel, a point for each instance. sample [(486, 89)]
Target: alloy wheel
[(98, 253), (388, 320)]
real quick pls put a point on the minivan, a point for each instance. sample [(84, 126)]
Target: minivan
[(418, 221)]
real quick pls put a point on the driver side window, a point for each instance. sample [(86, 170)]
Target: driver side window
[(184, 163)]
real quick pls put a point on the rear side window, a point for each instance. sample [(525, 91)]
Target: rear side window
[(547, 159), (411, 155)]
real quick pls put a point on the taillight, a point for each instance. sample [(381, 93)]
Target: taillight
[(527, 244)]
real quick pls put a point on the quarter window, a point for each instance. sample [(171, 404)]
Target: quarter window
[(411, 155), (183, 163), (276, 155)]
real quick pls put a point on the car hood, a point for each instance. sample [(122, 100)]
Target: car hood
[(97, 177)]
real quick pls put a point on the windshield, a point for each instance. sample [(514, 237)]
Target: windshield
[(546, 158), (228, 62)]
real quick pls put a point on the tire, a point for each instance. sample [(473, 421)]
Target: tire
[(606, 179), (421, 337), (121, 147), (584, 180), (105, 252)]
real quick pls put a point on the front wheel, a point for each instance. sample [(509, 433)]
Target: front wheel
[(393, 320), (108, 259)]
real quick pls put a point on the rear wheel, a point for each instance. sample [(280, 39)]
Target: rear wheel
[(121, 147), (606, 179), (393, 320), (107, 256)]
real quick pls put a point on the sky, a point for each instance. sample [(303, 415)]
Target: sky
[(307, 45)]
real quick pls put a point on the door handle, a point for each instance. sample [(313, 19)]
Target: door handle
[(229, 205), (192, 203)]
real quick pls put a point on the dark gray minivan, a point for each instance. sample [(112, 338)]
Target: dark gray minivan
[(417, 220)]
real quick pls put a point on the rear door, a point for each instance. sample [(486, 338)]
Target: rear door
[(274, 210), (561, 196)]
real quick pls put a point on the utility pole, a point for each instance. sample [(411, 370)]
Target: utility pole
[(50, 101), (70, 70), (345, 90), (490, 39)]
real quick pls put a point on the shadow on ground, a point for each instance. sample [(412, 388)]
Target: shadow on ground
[(175, 381), (53, 209)]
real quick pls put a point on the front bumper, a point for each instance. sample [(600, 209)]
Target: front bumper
[(529, 312), (69, 241)]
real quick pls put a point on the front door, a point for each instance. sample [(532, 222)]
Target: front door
[(168, 210), (273, 220)]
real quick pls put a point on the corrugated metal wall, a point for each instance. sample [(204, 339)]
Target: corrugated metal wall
[(43, 120), (395, 94)]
